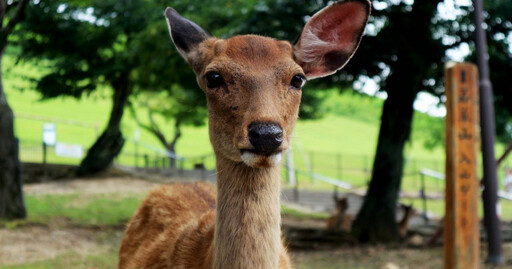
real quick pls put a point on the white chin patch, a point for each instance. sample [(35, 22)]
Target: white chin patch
[(256, 160)]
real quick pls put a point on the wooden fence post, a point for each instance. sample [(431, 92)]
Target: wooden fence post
[(296, 187), (462, 231), (312, 166), (146, 161), (423, 195)]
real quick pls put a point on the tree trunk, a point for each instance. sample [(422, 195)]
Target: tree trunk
[(376, 220), (101, 155), (11, 195), (172, 146)]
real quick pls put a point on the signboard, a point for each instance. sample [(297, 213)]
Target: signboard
[(49, 134), (462, 231), (69, 150), (136, 135)]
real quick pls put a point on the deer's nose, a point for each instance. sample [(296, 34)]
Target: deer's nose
[(265, 137)]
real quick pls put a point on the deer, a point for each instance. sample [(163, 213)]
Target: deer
[(253, 86), (340, 221), (403, 224)]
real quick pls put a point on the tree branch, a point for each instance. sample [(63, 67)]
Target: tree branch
[(156, 130), (177, 133), (152, 129), (154, 125), (134, 115), (9, 7), (16, 18), (3, 11), (505, 154)]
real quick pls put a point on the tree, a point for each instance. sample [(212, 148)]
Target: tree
[(11, 199), (406, 57), (183, 106), (122, 44), (410, 50), (166, 85), (460, 31), (183, 102), (90, 43)]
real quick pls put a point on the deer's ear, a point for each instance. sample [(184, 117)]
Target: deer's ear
[(331, 37), (185, 33)]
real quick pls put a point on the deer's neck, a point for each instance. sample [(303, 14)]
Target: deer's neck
[(247, 230)]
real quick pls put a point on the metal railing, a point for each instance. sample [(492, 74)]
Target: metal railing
[(423, 192)]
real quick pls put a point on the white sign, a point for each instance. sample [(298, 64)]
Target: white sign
[(49, 134), (69, 150), (136, 135)]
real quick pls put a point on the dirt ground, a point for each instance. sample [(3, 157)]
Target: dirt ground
[(91, 186), (34, 242)]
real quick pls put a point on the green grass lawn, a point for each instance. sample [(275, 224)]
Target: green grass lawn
[(350, 127), (288, 211), (437, 207), (79, 209), (98, 209), (112, 210), (351, 124)]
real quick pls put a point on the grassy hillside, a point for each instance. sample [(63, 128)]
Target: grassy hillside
[(349, 129), (339, 145), (350, 126)]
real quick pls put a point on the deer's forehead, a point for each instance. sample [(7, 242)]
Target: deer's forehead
[(252, 46), (254, 51)]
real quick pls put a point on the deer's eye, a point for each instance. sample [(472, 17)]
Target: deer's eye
[(298, 82), (214, 80)]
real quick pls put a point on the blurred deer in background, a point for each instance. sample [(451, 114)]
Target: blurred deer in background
[(340, 221), (253, 89), (403, 225)]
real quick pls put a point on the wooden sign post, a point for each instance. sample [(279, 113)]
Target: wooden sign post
[(462, 229)]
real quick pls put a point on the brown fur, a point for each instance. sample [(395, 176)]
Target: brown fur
[(248, 217), (169, 229), (248, 91), (403, 225), (248, 209), (192, 225), (340, 221)]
